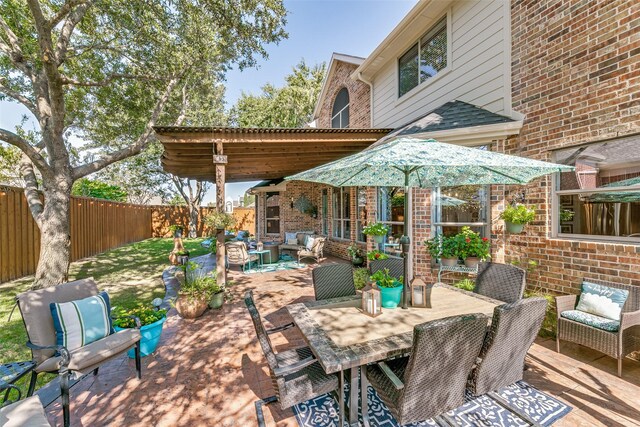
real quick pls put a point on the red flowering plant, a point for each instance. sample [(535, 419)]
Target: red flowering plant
[(469, 244), (376, 254)]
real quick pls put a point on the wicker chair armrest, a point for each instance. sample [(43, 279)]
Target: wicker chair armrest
[(294, 367), (60, 349), (397, 382), (564, 303), (629, 319), (280, 328)]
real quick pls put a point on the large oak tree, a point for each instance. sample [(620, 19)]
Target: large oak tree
[(107, 71)]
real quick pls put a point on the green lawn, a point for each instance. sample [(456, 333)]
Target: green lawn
[(130, 274)]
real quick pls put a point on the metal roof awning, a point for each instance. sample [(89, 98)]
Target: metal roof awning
[(257, 153)]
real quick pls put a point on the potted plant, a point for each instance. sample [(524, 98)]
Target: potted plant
[(176, 230), (471, 247), (444, 248), (516, 217), (151, 321), (220, 220), (355, 252), (390, 288), (195, 293), (217, 296), (377, 230), (376, 254)]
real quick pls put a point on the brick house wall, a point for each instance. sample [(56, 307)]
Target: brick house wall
[(576, 78), (359, 98)]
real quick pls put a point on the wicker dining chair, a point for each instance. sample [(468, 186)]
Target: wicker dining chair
[(432, 379), (615, 344), (295, 374), (395, 266), (503, 282), (333, 281), (513, 329)]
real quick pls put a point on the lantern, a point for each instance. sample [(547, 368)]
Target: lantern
[(371, 301), (420, 294), (260, 246)]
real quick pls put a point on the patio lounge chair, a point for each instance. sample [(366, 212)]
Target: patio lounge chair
[(513, 329), (622, 339), (503, 282), (395, 266), (316, 252), (237, 255), (296, 375), (24, 413), (52, 358), (333, 281), (429, 381)]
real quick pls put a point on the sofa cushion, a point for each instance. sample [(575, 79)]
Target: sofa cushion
[(96, 352), (24, 413), (81, 322), (310, 243), (290, 236), (302, 238), (592, 320), (602, 300)]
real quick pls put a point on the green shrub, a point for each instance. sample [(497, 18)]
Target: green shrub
[(376, 254), (360, 277), (466, 284), (549, 327)]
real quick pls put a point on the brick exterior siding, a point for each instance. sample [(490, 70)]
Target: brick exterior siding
[(359, 98), (576, 78)]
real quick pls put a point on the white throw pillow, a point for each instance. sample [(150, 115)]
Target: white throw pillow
[(293, 241), (311, 241)]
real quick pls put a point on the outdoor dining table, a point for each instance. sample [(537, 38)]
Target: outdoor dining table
[(343, 338)]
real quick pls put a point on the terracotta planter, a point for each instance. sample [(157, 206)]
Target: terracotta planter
[(190, 308), (471, 262), (449, 262), (514, 228)]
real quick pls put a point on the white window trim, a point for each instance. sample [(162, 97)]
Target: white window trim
[(555, 206), (341, 219), (266, 218), (357, 219), (339, 114), (399, 99)]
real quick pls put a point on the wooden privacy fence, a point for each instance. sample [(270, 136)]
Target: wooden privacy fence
[(96, 226)]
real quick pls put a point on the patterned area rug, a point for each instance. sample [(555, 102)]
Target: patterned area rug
[(481, 411), (281, 265)]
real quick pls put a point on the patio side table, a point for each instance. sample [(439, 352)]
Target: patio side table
[(261, 255), (12, 372)]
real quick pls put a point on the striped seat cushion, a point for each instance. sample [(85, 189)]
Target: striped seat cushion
[(78, 323)]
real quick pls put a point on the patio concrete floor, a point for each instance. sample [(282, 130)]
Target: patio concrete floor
[(210, 371)]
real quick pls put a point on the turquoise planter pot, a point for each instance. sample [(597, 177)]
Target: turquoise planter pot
[(150, 338), (391, 296)]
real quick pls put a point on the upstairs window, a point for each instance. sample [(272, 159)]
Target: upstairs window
[(424, 59), (340, 112)]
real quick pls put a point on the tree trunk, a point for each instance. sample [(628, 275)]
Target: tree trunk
[(55, 237), (194, 215)]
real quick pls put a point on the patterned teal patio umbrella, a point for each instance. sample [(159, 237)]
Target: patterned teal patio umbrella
[(411, 162)]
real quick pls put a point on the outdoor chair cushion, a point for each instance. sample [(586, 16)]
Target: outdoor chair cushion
[(289, 237), (83, 321), (592, 320), (602, 300), (24, 413), (310, 243), (83, 359)]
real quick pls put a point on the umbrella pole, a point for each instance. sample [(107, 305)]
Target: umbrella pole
[(405, 241)]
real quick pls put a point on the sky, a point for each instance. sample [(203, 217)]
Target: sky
[(316, 28)]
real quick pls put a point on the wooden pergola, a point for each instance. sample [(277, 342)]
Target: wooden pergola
[(222, 154)]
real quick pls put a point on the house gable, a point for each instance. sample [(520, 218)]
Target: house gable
[(339, 76)]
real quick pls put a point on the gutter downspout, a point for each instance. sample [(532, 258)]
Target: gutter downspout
[(370, 96)]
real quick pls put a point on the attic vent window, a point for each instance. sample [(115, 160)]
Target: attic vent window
[(340, 112), (424, 59)]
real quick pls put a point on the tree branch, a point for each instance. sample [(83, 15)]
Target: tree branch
[(142, 141), (73, 82), (14, 51), (27, 149), (19, 97), (70, 24), (180, 186), (31, 189)]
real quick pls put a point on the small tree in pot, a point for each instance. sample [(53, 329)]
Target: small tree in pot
[(356, 254)]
